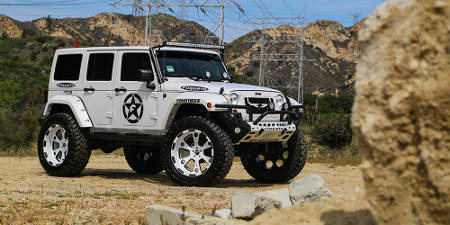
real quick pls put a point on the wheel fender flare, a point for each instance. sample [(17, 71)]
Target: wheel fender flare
[(201, 99), (75, 104), (193, 98)]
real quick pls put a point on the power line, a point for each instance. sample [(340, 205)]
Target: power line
[(263, 57), (36, 3), (152, 4)]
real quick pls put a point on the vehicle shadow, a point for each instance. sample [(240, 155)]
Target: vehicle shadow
[(163, 179), (341, 217)]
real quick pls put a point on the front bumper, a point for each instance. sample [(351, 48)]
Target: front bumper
[(256, 130)]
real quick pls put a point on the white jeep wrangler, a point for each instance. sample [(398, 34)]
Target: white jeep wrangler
[(172, 107)]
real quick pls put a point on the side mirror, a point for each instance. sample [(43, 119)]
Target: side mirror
[(146, 75)]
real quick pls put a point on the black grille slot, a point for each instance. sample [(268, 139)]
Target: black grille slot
[(258, 105)]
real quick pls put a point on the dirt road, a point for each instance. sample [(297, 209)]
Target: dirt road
[(113, 193)]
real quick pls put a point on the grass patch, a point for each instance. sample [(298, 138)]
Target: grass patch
[(117, 195), (19, 151), (348, 155)]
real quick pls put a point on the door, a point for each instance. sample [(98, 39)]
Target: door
[(135, 105), (97, 88)]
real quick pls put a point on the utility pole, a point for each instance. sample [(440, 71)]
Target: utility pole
[(137, 18), (263, 57), (355, 17), (170, 4), (147, 23), (222, 15)]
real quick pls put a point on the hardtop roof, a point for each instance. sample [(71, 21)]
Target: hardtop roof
[(130, 48)]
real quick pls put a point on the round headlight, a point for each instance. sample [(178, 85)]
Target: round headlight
[(234, 99), (279, 100)]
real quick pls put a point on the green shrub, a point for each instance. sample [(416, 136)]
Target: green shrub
[(333, 130), (33, 56), (309, 116), (27, 32), (4, 35), (60, 43), (330, 103)]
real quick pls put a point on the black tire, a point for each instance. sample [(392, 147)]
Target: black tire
[(223, 152), (143, 159), (256, 159), (78, 151)]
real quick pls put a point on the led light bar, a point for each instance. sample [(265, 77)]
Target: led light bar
[(190, 45)]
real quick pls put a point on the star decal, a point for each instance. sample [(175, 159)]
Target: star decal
[(133, 108)]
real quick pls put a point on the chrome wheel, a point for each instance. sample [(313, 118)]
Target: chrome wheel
[(55, 145), (192, 152)]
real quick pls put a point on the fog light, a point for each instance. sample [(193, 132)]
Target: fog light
[(237, 130)]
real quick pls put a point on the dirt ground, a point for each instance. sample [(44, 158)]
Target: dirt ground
[(109, 190)]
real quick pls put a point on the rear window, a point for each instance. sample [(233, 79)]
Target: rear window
[(100, 67), (132, 63), (68, 67)]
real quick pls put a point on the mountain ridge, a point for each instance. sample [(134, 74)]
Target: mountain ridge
[(333, 48)]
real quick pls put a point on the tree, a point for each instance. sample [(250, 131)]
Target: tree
[(49, 24), (4, 35)]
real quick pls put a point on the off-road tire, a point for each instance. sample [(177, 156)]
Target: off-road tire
[(78, 154), (223, 152), (291, 167), (135, 158)]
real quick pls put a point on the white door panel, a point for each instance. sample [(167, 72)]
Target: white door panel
[(97, 94), (135, 105)]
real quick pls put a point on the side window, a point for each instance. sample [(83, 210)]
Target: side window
[(68, 67), (132, 63), (100, 67)]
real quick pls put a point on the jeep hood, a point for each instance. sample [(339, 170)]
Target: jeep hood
[(186, 84)]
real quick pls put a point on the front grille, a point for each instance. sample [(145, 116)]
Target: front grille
[(259, 105)]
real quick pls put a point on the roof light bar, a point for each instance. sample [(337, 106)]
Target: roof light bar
[(190, 45)]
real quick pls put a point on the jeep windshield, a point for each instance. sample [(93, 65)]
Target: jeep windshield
[(194, 65)]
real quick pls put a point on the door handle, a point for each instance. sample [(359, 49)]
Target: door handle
[(90, 89), (120, 89)]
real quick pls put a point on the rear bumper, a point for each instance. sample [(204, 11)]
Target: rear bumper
[(257, 130)]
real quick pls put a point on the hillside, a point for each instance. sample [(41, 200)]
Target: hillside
[(333, 47), (107, 29)]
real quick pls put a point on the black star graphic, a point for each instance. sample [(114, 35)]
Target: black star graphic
[(134, 108)]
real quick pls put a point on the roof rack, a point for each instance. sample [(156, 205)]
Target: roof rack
[(191, 45)]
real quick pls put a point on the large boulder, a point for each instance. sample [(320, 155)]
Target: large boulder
[(401, 111), (247, 206), (309, 189), (162, 215), (281, 195)]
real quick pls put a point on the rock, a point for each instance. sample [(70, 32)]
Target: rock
[(308, 189), (9, 27), (162, 215), (281, 195), (208, 221), (247, 206), (85, 218), (401, 112), (223, 213)]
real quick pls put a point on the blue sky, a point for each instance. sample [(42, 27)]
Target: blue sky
[(236, 24)]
